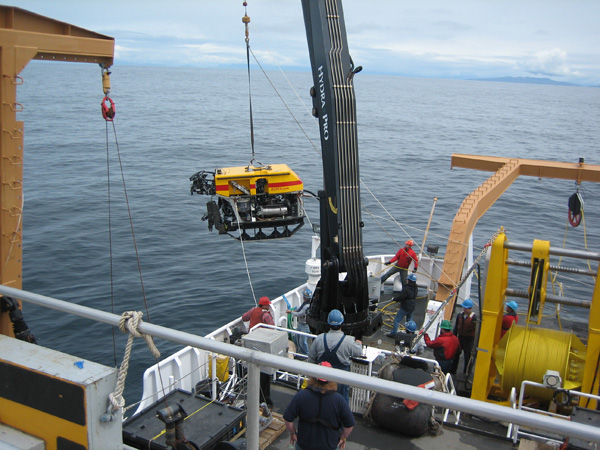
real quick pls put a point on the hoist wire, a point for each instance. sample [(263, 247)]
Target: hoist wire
[(137, 256), (110, 252), (126, 197), (246, 20), (250, 99)]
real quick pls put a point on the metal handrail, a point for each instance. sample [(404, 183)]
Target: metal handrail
[(257, 359)]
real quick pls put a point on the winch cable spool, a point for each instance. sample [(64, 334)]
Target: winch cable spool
[(109, 117), (524, 353), (523, 350)]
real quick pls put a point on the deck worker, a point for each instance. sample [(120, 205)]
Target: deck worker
[(409, 336), (408, 300), (256, 315), (403, 259), (324, 419), (259, 314), (509, 317), (336, 348), (464, 329), (300, 314), (445, 347)]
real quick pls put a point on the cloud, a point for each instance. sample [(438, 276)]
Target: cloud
[(550, 63)]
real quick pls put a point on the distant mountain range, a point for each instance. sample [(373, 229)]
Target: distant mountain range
[(530, 80)]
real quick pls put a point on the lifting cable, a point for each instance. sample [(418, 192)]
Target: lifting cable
[(108, 113), (246, 21)]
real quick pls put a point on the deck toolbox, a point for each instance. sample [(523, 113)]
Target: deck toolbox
[(207, 423), (267, 340)]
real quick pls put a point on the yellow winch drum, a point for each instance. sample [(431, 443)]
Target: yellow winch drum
[(527, 353)]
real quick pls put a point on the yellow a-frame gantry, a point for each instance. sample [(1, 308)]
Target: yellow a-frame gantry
[(506, 171), (25, 36)]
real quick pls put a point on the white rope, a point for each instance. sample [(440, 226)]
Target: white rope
[(129, 322), (239, 221)]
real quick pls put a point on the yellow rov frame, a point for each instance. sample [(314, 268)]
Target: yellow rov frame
[(250, 180), (254, 199)]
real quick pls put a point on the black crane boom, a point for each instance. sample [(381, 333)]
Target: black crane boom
[(334, 104)]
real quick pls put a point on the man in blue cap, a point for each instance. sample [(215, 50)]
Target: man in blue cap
[(336, 348), (464, 329)]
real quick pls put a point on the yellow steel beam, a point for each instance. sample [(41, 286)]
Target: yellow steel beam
[(491, 320), (591, 374), (531, 167), (53, 39)]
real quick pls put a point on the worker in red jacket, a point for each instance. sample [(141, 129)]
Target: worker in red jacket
[(509, 317), (446, 347), (259, 314), (405, 256), (256, 315)]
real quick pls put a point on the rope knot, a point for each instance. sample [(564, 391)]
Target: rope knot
[(129, 323)]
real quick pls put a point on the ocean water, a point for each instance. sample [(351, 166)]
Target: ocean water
[(172, 122)]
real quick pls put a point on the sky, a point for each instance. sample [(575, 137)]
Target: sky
[(467, 39)]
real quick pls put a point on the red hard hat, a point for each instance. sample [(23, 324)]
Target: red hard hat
[(410, 242), (324, 364), (264, 301)]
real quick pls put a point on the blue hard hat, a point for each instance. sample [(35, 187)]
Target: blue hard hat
[(468, 303), (411, 326), (412, 277), (307, 293), (512, 305), (335, 317)]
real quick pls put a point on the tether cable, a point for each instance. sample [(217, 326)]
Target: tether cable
[(246, 21)]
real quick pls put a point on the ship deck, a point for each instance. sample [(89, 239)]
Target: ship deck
[(471, 432)]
